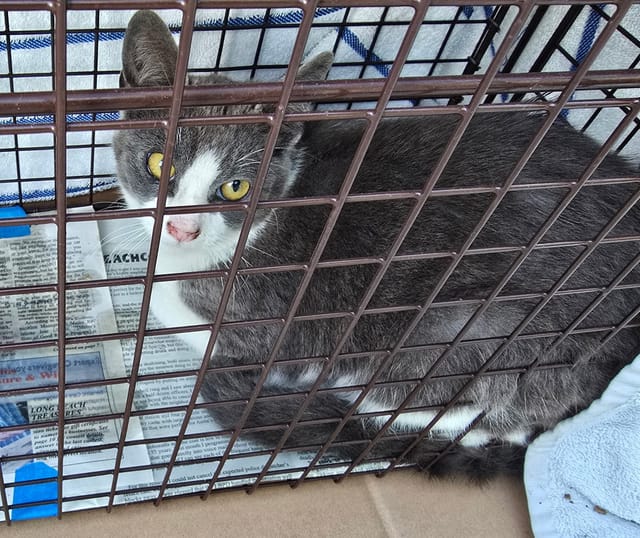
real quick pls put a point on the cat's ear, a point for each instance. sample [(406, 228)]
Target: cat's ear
[(149, 53), (317, 68)]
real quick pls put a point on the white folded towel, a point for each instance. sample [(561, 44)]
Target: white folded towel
[(583, 477)]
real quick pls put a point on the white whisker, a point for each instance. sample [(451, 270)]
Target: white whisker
[(244, 157), (262, 252)]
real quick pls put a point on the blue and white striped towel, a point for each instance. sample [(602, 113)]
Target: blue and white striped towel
[(31, 56)]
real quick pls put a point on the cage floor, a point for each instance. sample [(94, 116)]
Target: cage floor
[(401, 504)]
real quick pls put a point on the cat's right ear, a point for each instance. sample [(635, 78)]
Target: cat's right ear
[(149, 53)]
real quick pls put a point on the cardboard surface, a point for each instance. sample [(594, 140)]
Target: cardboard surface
[(401, 504)]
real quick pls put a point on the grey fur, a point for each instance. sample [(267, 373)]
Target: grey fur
[(149, 52), (312, 160)]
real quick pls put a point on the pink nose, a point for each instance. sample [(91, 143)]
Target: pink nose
[(183, 231)]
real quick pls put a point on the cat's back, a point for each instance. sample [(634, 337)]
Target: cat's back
[(403, 154)]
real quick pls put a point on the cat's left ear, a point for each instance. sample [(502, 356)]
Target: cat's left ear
[(316, 68)]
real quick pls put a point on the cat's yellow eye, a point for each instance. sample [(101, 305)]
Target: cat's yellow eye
[(154, 165), (234, 190)]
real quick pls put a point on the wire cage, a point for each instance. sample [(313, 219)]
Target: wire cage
[(111, 369)]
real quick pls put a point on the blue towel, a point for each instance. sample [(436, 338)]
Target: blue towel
[(583, 477)]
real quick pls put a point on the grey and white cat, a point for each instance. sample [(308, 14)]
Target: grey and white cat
[(217, 164)]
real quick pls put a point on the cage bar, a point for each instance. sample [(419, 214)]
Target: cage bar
[(507, 68)]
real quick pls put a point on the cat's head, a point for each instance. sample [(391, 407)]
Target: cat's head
[(213, 164)]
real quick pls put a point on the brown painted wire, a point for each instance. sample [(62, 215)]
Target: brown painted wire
[(60, 102), (60, 83)]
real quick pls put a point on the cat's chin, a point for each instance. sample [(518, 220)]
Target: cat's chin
[(179, 245), (180, 256), (203, 253), (173, 245)]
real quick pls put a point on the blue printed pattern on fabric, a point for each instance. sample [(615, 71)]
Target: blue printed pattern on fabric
[(348, 35)]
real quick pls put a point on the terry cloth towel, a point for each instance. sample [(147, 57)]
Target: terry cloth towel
[(449, 36), (583, 477)]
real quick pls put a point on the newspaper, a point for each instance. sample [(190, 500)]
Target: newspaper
[(32, 260), (97, 250)]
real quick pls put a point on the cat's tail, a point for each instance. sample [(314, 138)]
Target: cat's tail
[(269, 420), (439, 458), (478, 464)]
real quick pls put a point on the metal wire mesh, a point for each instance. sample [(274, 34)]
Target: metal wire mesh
[(486, 57)]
